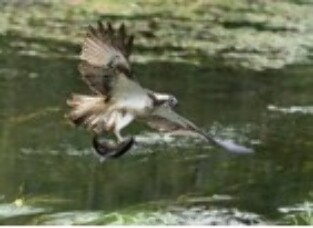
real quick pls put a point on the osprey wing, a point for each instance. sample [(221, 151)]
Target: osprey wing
[(164, 119), (105, 57)]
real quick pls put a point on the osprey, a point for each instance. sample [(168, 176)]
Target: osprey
[(118, 98)]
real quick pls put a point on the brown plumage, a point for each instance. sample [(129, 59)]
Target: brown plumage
[(87, 111)]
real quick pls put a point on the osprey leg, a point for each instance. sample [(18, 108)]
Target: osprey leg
[(108, 150)]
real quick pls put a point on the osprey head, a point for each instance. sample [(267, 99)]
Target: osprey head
[(167, 99)]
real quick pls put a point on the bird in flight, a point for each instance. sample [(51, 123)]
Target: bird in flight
[(118, 98)]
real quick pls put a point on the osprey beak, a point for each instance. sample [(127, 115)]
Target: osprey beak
[(107, 150)]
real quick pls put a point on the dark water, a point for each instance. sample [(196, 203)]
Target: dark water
[(46, 163)]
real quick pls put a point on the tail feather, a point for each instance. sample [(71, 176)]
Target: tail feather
[(87, 111)]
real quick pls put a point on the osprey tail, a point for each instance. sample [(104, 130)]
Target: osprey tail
[(87, 111)]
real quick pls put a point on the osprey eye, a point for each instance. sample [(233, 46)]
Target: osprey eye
[(173, 101)]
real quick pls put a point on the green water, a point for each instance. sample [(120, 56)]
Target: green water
[(43, 157), (48, 167)]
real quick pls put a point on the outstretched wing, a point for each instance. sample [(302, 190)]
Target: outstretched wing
[(105, 57), (164, 119)]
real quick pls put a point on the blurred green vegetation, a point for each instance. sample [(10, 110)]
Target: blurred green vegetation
[(251, 34)]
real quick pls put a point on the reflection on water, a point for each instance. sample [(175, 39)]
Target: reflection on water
[(292, 109), (173, 216), (14, 210), (42, 155)]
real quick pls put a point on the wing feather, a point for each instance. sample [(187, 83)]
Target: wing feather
[(89, 111), (106, 47), (99, 80), (105, 56), (165, 119)]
